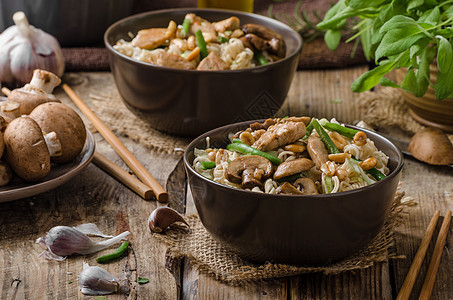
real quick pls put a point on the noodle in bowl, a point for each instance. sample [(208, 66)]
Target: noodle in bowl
[(294, 229)]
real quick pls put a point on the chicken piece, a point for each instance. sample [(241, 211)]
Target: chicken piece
[(317, 151), (154, 37), (279, 135), (171, 60), (206, 27), (229, 24), (212, 63)]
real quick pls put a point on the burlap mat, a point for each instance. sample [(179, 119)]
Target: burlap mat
[(209, 256)]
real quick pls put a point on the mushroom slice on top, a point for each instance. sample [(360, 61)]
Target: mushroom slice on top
[(317, 151), (292, 167), (306, 186), (289, 189), (274, 41), (279, 135), (432, 146), (249, 171)]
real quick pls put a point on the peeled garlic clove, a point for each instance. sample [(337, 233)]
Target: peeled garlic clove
[(95, 280), (62, 241), (162, 217)]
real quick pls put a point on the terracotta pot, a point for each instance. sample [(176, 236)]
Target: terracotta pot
[(427, 109)]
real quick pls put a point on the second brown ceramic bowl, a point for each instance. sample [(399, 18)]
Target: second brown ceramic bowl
[(299, 230), (190, 102)]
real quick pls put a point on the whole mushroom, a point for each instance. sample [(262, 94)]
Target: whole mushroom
[(432, 146), (26, 150), (5, 174), (249, 171), (37, 92), (66, 123)]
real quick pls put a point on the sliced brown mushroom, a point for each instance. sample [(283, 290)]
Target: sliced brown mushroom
[(279, 135), (66, 123), (292, 167), (317, 151), (249, 171), (432, 146), (26, 150), (274, 41), (306, 186), (5, 174), (289, 189)]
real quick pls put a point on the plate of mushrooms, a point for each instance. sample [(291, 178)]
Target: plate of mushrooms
[(43, 142)]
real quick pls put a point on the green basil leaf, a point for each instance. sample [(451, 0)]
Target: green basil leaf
[(371, 78), (431, 16), (332, 38), (365, 39), (358, 4), (330, 19), (413, 4), (409, 83), (423, 73), (387, 82), (398, 22), (398, 40), (444, 82), (448, 13), (444, 54), (386, 14), (445, 32)]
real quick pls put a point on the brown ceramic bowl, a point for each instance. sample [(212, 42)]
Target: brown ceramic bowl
[(299, 230), (190, 102)]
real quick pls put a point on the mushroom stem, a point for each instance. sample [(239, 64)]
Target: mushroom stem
[(53, 144), (44, 80)]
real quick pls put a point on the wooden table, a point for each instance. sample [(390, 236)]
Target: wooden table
[(93, 196)]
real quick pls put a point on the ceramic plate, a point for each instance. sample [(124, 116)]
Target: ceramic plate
[(59, 174)]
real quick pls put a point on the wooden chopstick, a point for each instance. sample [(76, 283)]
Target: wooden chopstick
[(411, 276), (431, 273), (127, 179), (118, 146)]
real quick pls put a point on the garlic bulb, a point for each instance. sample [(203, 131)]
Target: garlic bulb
[(24, 48), (96, 281), (63, 240)]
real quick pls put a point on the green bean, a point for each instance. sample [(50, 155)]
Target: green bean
[(247, 150), (185, 28), (114, 255), (222, 39), (309, 130), (347, 132), (331, 148), (262, 61), (204, 165), (201, 44), (378, 175)]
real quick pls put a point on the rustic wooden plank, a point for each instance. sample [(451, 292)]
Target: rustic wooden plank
[(325, 93)]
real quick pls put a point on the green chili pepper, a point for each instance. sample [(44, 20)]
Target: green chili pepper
[(185, 28), (347, 132), (374, 172), (247, 150), (114, 255), (201, 44), (204, 165), (331, 148), (262, 61)]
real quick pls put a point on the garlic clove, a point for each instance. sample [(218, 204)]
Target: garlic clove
[(62, 241), (91, 229), (94, 280), (162, 217)]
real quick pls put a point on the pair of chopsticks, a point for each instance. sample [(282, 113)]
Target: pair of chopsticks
[(127, 156), (145, 188), (431, 273)]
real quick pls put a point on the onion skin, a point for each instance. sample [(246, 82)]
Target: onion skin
[(24, 48)]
